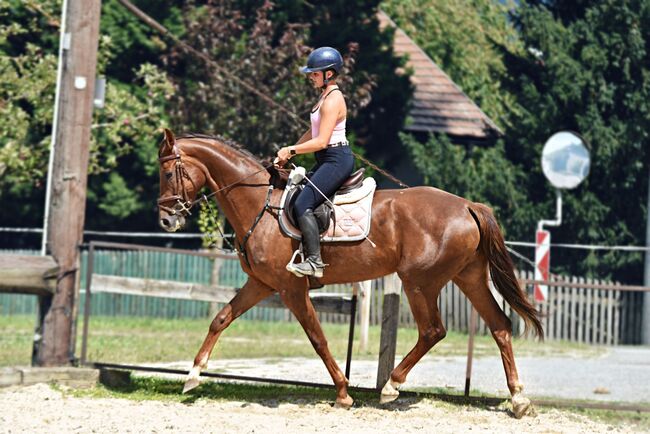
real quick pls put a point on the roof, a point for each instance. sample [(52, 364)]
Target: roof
[(438, 104)]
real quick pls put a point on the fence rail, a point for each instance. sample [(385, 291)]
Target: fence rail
[(583, 310)]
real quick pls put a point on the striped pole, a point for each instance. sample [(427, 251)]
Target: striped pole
[(542, 262)]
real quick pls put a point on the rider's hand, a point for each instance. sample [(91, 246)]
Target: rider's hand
[(282, 157)]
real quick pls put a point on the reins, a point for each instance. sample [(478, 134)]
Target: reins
[(206, 197)]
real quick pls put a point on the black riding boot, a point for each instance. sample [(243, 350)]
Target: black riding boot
[(313, 264)]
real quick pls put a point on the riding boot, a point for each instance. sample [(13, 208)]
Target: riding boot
[(313, 264)]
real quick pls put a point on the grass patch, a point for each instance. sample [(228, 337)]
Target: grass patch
[(138, 340), (150, 388)]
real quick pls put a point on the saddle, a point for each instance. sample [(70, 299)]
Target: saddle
[(347, 220)]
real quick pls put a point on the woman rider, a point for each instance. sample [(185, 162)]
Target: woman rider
[(334, 159)]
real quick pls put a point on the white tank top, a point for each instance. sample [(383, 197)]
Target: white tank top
[(338, 134)]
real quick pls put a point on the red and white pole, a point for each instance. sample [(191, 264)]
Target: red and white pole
[(543, 249), (542, 263)]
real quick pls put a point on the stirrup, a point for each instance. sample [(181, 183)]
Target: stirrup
[(314, 270)]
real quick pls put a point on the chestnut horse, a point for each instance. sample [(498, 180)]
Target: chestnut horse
[(426, 235)]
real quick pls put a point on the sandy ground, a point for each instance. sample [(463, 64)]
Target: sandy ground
[(40, 408)]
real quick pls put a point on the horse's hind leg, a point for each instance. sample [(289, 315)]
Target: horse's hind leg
[(473, 281), (431, 330), (251, 293), (300, 304)]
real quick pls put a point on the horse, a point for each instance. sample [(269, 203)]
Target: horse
[(426, 235)]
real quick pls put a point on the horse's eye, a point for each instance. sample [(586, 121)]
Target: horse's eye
[(168, 175)]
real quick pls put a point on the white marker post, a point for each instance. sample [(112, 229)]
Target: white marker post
[(565, 163)]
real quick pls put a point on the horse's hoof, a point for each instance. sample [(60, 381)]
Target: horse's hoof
[(344, 403), (190, 384), (521, 406), (390, 392), (192, 380)]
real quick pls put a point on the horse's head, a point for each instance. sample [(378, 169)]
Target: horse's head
[(180, 182)]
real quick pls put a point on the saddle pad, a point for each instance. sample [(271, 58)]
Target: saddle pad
[(353, 212), (352, 218)]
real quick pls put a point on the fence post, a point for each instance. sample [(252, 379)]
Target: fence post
[(214, 281), (470, 349), (364, 289), (389, 323)]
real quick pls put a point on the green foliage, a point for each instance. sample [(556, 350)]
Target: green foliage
[(459, 36), (259, 52), (581, 67), (120, 201), (125, 126), (592, 76), (211, 225)]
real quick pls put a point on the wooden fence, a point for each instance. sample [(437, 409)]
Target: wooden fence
[(582, 314)]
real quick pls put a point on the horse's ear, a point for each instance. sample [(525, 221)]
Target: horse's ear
[(169, 138)]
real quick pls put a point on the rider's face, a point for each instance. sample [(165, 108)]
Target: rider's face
[(316, 78)]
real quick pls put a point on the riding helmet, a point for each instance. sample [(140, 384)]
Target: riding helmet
[(322, 59)]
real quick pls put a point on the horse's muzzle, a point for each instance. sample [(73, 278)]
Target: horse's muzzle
[(172, 223)]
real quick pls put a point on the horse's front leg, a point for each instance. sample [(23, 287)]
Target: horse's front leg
[(300, 304), (252, 293)]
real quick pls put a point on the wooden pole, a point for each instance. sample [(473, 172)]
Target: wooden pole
[(470, 349), (389, 323), (364, 289), (69, 178)]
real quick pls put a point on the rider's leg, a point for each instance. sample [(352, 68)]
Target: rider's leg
[(334, 168), (313, 264)]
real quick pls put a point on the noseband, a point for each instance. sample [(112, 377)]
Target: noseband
[(183, 203)]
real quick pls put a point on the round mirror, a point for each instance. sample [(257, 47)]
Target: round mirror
[(565, 160)]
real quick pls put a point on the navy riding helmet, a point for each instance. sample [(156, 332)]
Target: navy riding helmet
[(322, 59)]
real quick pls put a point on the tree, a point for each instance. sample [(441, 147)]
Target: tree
[(581, 66), (257, 52), (591, 74), (459, 35), (126, 126)]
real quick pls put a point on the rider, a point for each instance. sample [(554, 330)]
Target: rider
[(334, 161)]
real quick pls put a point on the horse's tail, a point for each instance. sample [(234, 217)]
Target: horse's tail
[(494, 249)]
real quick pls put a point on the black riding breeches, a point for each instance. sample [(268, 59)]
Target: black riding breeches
[(334, 166)]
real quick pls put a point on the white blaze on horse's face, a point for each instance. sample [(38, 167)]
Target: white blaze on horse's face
[(172, 211)]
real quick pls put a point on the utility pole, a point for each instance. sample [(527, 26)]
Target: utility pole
[(66, 196), (645, 318)]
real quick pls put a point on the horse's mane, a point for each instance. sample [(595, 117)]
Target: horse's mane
[(278, 176), (229, 142)]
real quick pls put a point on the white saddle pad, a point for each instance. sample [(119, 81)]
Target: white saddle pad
[(352, 211)]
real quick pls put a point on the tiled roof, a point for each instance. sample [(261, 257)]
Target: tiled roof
[(438, 105)]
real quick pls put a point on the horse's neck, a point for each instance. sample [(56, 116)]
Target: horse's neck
[(241, 202)]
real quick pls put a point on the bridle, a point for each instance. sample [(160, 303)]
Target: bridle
[(183, 203)]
